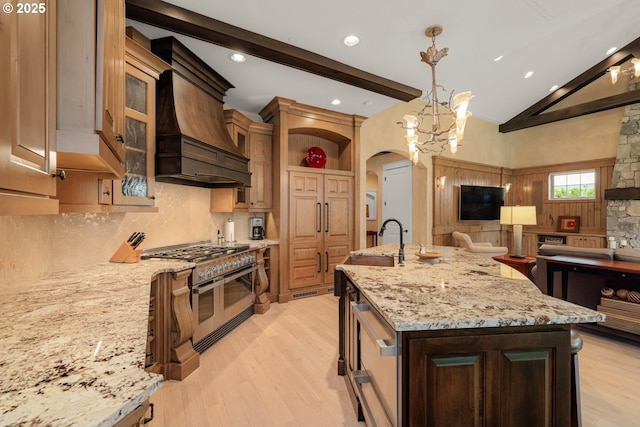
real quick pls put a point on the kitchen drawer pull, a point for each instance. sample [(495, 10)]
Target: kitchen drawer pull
[(150, 418), (385, 349), (319, 217)]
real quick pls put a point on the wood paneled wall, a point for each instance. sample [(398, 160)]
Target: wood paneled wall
[(529, 186), (446, 200)]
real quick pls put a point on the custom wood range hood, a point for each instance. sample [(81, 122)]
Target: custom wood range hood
[(193, 145)]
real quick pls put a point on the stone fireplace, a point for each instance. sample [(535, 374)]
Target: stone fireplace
[(623, 207)]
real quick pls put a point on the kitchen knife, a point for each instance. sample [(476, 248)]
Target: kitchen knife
[(132, 237)]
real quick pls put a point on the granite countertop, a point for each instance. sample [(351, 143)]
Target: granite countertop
[(72, 346), (459, 290)]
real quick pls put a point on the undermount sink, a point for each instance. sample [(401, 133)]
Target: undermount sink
[(372, 260)]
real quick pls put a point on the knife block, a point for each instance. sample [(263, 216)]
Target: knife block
[(126, 253)]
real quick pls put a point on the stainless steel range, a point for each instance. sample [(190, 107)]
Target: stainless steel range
[(222, 286)]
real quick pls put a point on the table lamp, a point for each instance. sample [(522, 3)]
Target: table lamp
[(518, 216)]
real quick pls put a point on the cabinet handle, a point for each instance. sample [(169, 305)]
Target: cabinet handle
[(327, 269), (106, 192), (152, 197), (319, 230), (319, 262), (327, 207), (62, 175), (385, 350), (119, 138)]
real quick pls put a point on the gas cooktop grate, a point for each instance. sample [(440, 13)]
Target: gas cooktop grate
[(194, 253)]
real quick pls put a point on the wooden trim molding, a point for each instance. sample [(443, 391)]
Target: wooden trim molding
[(183, 21)]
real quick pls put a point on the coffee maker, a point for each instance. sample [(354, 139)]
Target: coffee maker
[(257, 228)]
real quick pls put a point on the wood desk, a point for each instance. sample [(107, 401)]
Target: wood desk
[(620, 270), (523, 265)]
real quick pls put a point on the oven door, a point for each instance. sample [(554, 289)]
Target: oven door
[(238, 291), (207, 305)]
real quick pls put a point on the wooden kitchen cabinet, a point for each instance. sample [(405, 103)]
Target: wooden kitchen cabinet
[(586, 241), (86, 191), (90, 82), (320, 228), (529, 244), (142, 70), (27, 112), (483, 378), (254, 140), (308, 257), (260, 166)]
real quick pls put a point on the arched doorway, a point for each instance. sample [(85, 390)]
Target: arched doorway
[(419, 225)]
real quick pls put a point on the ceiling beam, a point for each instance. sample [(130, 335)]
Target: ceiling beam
[(182, 21), (535, 115)]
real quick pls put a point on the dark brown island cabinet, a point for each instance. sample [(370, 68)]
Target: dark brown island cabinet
[(480, 376)]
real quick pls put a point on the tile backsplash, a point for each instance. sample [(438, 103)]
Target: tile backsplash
[(32, 246)]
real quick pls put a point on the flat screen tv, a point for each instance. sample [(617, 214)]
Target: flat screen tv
[(479, 203)]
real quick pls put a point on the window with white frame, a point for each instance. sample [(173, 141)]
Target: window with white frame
[(572, 185)]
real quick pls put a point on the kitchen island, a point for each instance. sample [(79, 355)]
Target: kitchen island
[(457, 340), (72, 345)]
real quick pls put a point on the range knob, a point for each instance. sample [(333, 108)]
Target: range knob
[(201, 275)]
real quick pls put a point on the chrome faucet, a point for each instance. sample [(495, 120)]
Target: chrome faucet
[(383, 228)]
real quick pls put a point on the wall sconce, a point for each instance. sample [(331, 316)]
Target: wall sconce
[(507, 187), (617, 70), (440, 181)]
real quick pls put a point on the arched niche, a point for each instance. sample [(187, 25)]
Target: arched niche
[(335, 145)]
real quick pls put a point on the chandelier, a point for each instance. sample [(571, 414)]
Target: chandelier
[(617, 70), (437, 136)]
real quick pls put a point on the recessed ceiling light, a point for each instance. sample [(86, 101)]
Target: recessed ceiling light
[(336, 102), (368, 103), (554, 87), (611, 50), (498, 58), (351, 40), (529, 74), (237, 57)]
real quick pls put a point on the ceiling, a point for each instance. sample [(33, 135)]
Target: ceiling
[(557, 40)]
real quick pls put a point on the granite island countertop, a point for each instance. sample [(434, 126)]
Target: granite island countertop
[(72, 345), (457, 291)]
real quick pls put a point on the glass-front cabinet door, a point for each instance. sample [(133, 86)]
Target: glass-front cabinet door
[(137, 187), (142, 69)]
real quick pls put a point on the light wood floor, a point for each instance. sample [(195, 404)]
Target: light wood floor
[(279, 369)]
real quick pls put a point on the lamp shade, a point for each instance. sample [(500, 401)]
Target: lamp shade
[(518, 215)]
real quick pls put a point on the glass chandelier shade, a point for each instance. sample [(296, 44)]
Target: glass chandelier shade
[(455, 110)]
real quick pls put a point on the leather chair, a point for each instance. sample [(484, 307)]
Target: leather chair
[(482, 248)]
